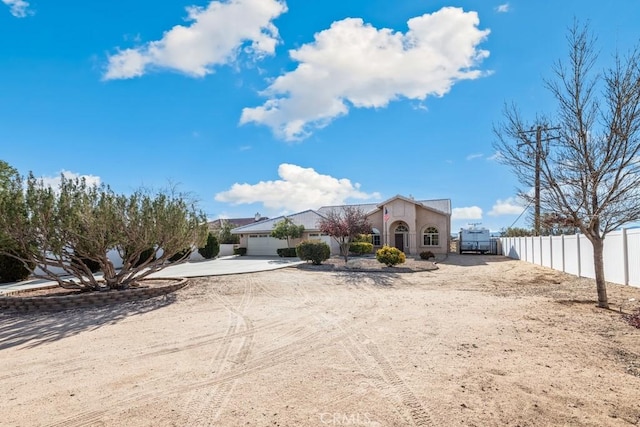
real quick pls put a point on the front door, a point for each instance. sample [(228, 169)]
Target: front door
[(400, 241)]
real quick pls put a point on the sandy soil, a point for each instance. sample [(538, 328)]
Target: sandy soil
[(481, 341)]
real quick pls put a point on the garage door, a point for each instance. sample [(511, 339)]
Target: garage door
[(264, 245)]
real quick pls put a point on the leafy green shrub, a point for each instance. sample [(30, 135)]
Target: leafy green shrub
[(240, 251), (390, 256), (427, 255), (179, 256), (363, 238), (316, 252), (361, 248), (211, 249), (12, 270), (287, 252)]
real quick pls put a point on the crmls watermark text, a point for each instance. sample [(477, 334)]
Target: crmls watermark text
[(343, 419)]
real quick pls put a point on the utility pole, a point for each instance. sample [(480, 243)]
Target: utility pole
[(539, 154)]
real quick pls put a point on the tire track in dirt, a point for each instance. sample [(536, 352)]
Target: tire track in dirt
[(302, 342), (306, 344), (233, 331), (204, 406), (367, 356)]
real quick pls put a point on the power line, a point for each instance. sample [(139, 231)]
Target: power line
[(539, 154), (522, 213)]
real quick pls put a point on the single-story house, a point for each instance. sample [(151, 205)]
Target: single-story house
[(410, 225)]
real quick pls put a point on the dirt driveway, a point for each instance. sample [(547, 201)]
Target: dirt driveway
[(481, 341)]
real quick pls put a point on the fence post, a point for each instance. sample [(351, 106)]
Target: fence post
[(550, 251), (562, 249), (625, 256), (578, 253)]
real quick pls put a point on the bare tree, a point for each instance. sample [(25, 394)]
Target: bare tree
[(590, 174), (344, 225)]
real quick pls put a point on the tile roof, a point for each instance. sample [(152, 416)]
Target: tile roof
[(308, 218)]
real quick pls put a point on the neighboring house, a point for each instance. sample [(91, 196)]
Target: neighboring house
[(235, 222), (410, 225)]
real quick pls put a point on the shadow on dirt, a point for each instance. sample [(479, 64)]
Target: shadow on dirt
[(472, 260), (379, 279), (33, 329)]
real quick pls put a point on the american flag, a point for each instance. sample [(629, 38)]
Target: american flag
[(386, 215)]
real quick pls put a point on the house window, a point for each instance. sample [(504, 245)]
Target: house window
[(375, 239), (430, 237), (402, 229)]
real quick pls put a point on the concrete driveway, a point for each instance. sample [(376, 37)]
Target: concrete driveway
[(214, 267), (227, 265)]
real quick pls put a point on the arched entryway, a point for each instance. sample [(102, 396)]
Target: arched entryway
[(401, 236)]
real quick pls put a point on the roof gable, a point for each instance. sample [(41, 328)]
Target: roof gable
[(309, 219)]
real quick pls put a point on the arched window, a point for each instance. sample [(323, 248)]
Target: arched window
[(430, 237), (402, 229)]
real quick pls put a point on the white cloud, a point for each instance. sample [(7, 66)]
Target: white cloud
[(215, 36), (474, 156), (54, 181), (355, 64), (503, 8), (497, 156), (18, 8), (508, 206), (298, 189), (471, 212)]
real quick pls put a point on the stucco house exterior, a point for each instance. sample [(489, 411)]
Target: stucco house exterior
[(410, 225)]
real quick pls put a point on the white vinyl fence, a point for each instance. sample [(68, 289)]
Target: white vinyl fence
[(574, 254)]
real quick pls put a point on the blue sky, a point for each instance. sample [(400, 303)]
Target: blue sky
[(274, 107)]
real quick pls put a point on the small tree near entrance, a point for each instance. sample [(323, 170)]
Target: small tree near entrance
[(286, 229), (344, 226)]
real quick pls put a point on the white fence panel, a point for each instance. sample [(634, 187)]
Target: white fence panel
[(557, 252), (571, 258), (536, 250), (614, 257), (546, 251), (586, 258), (574, 254), (633, 256), (512, 248)]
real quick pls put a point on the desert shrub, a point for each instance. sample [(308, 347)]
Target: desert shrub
[(427, 255), (361, 248), (390, 256), (180, 255), (211, 249), (316, 252), (93, 266), (13, 270), (146, 255), (287, 252), (239, 251)]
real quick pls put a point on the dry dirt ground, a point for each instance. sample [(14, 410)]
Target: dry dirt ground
[(481, 341)]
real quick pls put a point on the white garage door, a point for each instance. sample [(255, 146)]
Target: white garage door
[(264, 245)]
